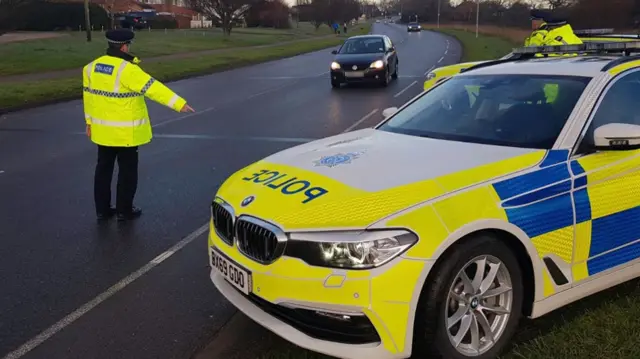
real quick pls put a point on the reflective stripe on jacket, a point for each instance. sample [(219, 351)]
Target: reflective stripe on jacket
[(114, 91)]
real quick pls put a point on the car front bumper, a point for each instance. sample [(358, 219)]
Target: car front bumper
[(348, 76), (346, 314), (413, 29)]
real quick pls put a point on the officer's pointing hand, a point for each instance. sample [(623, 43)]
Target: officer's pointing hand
[(187, 108)]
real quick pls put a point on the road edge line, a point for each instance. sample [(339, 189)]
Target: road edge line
[(87, 307)]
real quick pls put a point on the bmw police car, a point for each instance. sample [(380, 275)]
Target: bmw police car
[(587, 35), (437, 230)]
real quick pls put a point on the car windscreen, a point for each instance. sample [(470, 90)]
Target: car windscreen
[(413, 23), (526, 111), (362, 46)]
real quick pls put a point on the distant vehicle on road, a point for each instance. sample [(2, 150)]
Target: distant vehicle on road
[(433, 233), (364, 58), (414, 26), (133, 22)]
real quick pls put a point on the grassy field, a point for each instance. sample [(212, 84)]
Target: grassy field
[(490, 44), (604, 326), (20, 94), (71, 50)]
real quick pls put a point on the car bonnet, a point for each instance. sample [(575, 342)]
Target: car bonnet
[(354, 179)]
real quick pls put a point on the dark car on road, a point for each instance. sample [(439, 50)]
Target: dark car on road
[(414, 26), (365, 58)]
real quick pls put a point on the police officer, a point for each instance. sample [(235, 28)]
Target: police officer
[(559, 32), (539, 28), (114, 90)]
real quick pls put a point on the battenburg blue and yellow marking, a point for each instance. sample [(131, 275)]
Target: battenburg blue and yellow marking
[(542, 204)]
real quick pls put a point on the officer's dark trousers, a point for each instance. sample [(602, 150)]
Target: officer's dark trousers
[(127, 158)]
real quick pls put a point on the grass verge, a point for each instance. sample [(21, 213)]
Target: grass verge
[(19, 95), (602, 326), (485, 47), (71, 50)]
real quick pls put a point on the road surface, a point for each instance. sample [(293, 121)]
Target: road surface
[(72, 288)]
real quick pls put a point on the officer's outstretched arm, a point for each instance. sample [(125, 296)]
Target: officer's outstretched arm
[(85, 97), (135, 79)]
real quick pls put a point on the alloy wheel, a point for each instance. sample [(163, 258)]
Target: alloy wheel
[(479, 304)]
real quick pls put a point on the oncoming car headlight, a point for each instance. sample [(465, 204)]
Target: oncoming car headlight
[(349, 249), (335, 66), (377, 64)]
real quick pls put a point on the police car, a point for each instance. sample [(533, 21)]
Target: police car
[(587, 35), (434, 232)]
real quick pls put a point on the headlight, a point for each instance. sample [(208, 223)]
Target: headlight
[(351, 250), (377, 64), (335, 66), (431, 76)]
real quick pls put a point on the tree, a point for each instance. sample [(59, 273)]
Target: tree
[(224, 11), (11, 14)]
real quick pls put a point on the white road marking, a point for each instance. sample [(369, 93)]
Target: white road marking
[(405, 89), (446, 52), (442, 58), (84, 309), (431, 68), (366, 117), (1, 172)]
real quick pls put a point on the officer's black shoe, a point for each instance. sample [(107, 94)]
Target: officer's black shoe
[(103, 216), (133, 214)]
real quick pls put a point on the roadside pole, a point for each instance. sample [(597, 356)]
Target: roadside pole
[(87, 20)]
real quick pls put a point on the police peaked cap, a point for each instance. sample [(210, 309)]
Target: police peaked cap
[(548, 17), (537, 14), (120, 36)]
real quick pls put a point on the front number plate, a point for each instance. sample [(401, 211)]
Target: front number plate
[(354, 73), (232, 272)]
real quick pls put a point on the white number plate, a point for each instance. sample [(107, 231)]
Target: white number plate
[(232, 272), (354, 73)]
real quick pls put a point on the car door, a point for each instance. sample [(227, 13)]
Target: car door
[(391, 56), (606, 190)]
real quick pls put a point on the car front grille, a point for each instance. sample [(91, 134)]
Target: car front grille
[(360, 67), (222, 222), (258, 240)]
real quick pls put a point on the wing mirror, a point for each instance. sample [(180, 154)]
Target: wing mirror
[(389, 112), (617, 137), (335, 52)]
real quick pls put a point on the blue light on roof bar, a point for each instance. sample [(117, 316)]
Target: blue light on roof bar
[(593, 32)]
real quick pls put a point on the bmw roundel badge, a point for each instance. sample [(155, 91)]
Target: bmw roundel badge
[(247, 201)]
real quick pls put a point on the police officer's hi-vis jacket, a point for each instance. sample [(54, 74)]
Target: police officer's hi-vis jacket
[(537, 36), (114, 90), (561, 35)]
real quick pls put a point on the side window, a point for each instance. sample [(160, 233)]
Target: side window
[(619, 105), (388, 41)]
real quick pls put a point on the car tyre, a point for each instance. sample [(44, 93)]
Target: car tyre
[(386, 80), (335, 84), (395, 72), (450, 303)]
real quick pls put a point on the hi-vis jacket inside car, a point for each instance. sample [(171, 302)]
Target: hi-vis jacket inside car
[(480, 201)]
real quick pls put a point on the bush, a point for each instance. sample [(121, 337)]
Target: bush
[(49, 16)]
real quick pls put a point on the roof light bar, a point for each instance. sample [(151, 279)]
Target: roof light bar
[(593, 32), (587, 47)]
